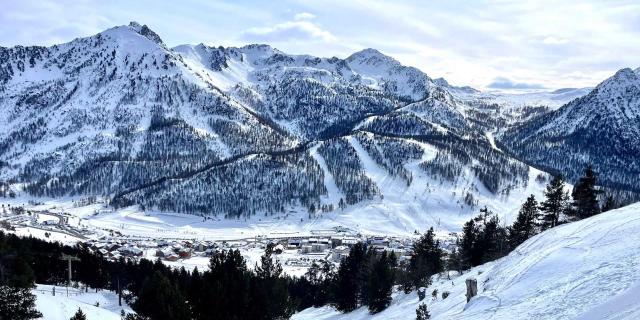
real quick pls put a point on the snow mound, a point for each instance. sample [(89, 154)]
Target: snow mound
[(582, 270)]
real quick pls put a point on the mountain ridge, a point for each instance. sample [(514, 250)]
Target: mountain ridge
[(234, 131)]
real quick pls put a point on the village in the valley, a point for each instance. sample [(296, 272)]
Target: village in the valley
[(296, 253)]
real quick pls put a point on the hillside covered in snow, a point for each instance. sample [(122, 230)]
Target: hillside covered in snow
[(234, 132), (252, 131), (601, 128), (581, 270)]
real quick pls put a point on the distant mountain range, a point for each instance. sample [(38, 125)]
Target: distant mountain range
[(241, 131), (601, 128)]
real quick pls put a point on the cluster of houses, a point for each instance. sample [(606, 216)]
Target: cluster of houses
[(332, 248), (164, 249), (338, 247), (115, 249)]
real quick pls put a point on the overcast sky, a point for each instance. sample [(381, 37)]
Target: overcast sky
[(486, 44)]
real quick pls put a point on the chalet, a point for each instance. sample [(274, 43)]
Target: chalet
[(339, 253), (200, 247), (319, 247), (381, 241), (306, 249), (293, 243), (129, 251), (349, 241), (50, 221), (171, 257), (184, 253)]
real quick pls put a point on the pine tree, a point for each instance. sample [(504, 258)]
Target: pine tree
[(225, 290), (554, 205), (585, 195), (525, 225), (79, 315), (422, 313), (161, 299), (348, 284), (380, 283), (268, 268), (454, 260), (491, 243), (17, 303), (467, 245), (426, 260), (269, 294)]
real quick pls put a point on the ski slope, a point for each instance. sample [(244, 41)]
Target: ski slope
[(582, 270), (63, 306)]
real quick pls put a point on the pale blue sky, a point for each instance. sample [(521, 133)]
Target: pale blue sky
[(519, 44)]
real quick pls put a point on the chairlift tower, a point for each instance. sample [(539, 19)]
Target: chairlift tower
[(69, 259)]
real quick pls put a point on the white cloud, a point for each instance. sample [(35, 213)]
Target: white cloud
[(304, 16), (554, 40), (289, 31)]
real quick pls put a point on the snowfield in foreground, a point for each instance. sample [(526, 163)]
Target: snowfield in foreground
[(582, 270), (63, 307)]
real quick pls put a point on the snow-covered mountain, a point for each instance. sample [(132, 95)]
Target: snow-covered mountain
[(601, 128), (551, 99), (238, 131), (581, 270)]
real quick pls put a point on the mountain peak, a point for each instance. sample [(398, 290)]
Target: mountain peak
[(134, 30), (369, 52), (145, 31), (622, 78), (624, 72), (441, 82), (371, 56)]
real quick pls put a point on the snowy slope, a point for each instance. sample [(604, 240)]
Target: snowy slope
[(63, 307), (234, 133), (601, 129), (582, 270)]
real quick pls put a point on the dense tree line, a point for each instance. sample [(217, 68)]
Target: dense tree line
[(155, 291), (391, 153), (366, 277), (343, 163), (591, 130), (228, 290), (484, 238)]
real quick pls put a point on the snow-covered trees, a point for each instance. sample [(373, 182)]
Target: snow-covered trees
[(79, 315), (422, 313), (600, 129), (344, 164)]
